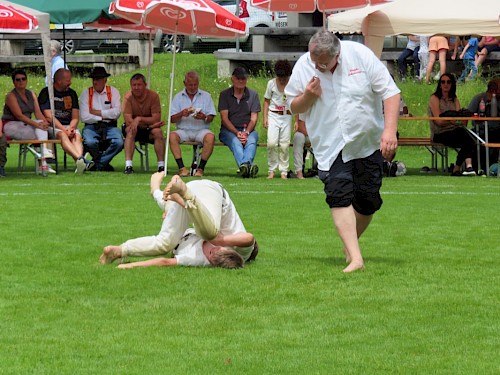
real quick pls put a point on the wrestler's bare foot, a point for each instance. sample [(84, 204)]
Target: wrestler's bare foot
[(176, 198), (354, 266), (347, 256), (110, 254), (176, 185)]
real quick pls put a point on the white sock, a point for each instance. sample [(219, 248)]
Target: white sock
[(128, 163)]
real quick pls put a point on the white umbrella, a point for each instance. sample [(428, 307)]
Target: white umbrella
[(423, 17)]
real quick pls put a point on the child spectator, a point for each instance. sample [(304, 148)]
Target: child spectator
[(278, 120), (468, 55)]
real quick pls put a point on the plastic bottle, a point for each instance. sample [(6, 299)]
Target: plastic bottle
[(45, 167), (482, 108), (494, 105)]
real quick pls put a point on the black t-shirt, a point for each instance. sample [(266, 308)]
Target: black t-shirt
[(64, 103)]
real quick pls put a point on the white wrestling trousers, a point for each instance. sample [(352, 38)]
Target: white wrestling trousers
[(206, 208), (278, 141), (299, 140)]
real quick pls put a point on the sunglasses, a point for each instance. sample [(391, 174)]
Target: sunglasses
[(447, 81), (20, 79)]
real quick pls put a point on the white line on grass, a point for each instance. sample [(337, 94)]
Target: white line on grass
[(268, 192)]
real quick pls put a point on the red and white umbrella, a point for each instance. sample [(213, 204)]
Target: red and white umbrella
[(186, 17), (13, 20), (131, 10), (194, 17), (309, 6)]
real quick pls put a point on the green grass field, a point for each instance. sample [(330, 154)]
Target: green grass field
[(427, 303)]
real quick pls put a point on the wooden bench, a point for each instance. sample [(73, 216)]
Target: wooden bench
[(436, 149), (28, 146)]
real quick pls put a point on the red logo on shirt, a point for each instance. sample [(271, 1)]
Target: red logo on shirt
[(354, 71)]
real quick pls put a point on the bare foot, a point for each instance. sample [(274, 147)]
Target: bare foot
[(347, 256), (176, 185), (175, 198), (284, 176), (354, 266), (270, 175), (110, 253), (300, 175)]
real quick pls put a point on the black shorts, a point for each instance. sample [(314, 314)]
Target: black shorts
[(356, 182), (142, 136)]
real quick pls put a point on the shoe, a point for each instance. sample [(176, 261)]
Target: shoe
[(47, 154), (80, 166), (108, 168), (183, 172), (425, 170), (93, 167), (456, 174), (199, 173), (88, 164), (469, 171), (244, 170), (270, 175), (161, 169), (50, 170), (2, 172), (128, 170), (254, 169)]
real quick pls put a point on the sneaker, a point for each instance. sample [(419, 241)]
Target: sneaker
[(199, 173), (2, 172), (47, 154), (183, 172), (161, 169), (80, 166), (469, 171), (128, 170), (456, 174), (244, 170), (254, 169), (108, 168), (50, 170), (89, 165)]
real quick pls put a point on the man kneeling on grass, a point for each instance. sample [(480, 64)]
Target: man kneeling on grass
[(218, 239)]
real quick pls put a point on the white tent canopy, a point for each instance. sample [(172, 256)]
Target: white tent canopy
[(423, 17)]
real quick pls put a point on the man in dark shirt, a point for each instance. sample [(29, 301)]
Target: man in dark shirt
[(239, 109), (66, 117)]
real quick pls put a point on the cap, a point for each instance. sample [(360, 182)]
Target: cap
[(99, 72), (240, 72)]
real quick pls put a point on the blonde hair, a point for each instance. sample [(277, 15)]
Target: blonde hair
[(226, 258)]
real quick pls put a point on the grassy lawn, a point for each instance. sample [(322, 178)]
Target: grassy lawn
[(427, 302)]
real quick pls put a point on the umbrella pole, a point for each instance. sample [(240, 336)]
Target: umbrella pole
[(150, 52), (170, 98), (64, 44)]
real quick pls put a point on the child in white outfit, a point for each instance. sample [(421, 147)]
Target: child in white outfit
[(278, 120)]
